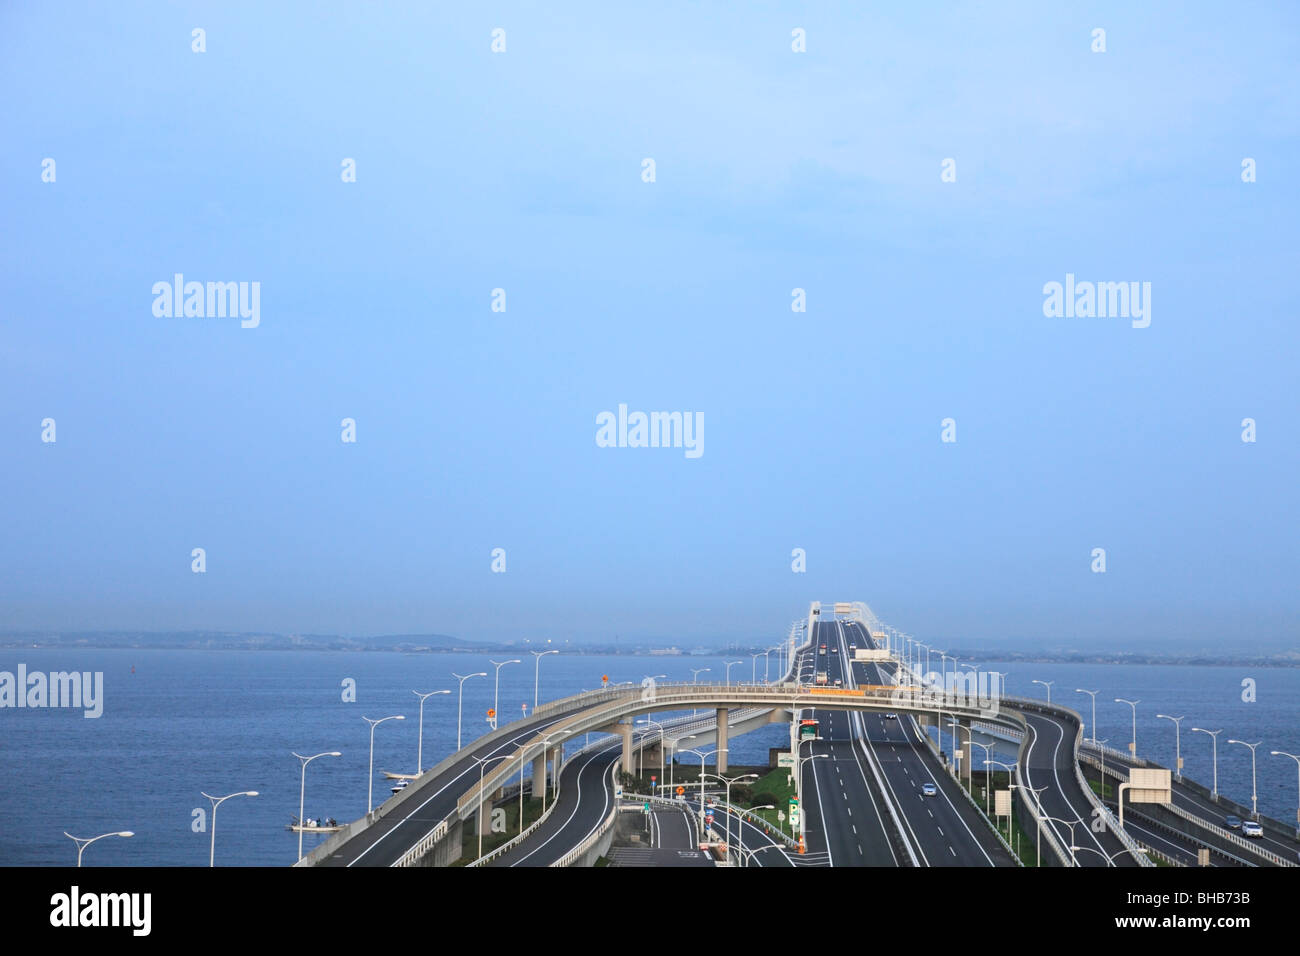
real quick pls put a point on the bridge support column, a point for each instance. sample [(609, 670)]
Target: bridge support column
[(964, 738), (722, 740), (629, 758), (539, 774), (484, 824), (557, 761)]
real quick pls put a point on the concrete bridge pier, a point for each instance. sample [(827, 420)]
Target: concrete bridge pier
[(963, 741), (629, 758), (650, 757), (539, 774), (722, 740)]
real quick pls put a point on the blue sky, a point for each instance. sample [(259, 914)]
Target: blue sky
[(775, 170)]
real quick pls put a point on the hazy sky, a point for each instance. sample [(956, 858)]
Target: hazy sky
[(774, 170)]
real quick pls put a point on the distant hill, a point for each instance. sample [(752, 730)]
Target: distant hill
[(234, 640)]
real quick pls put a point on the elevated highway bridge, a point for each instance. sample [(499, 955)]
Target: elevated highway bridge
[(423, 825)]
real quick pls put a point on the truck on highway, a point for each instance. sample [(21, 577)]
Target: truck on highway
[(820, 678)]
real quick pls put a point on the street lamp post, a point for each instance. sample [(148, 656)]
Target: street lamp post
[(798, 774), (1038, 825), (995, 684), (1254, 808), (1094, 693), (701, 754), (729, 663), (799, 759), (546, 746), (650, 720), (740, 836), (370, 792), (419, 747), (1068, 823), (1102, 751), (302, 791), (216, 802), (1214, 736), (1010, 769), (496, 694), (695, 679), (460, 701), (83, 842), (672, 747), (1133, 747), (537, 672), (1178, 744), (1048, 684), (988, 757), (954, 723), (729, 781), (753, 670), (1110, 860), (1296, 758), (482, 765)]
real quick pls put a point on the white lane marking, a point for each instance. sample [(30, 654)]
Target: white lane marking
[(606, 795), (863, 740), (1061, 791), (501, 745), (821, 813), (957, 813)]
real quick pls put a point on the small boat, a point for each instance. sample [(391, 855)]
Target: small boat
[(401, 785), (315, 826)]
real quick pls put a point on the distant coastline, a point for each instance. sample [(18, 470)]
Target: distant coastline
[(446, 644)]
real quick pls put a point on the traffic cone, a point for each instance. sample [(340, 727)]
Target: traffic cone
[(801, 847)]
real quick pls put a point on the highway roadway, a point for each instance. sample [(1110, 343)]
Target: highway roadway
[(845, 817), (385, 841), (1047, 760), (586, 799), (944, 829), (1206, 809), (1175, 845), (961, 836)]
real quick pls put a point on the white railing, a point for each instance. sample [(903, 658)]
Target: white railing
[(1118, 754), (594, 837), (1121, 773), (682, 807), (671, 728), (1153, 822), (989, 823), (1228, 835), (1123, 835), (559, 776), (427, 843)]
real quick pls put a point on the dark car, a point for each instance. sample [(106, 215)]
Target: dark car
[(1232, 823)]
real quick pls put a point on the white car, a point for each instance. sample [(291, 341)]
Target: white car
[(1251, 828), (929, 789), (891, 716)]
